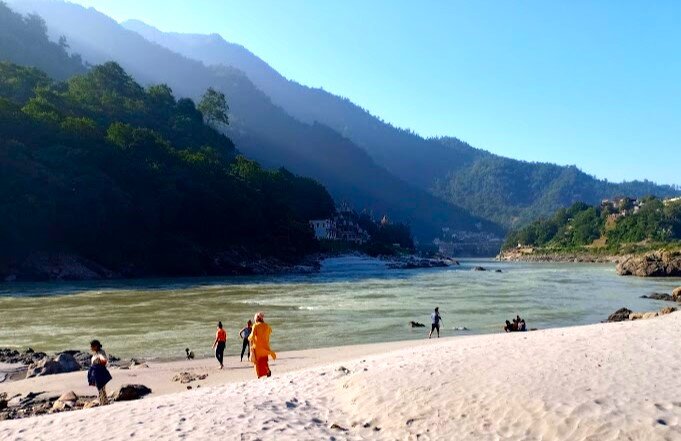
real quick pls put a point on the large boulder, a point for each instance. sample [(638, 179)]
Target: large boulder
[(620, 315), (643, 315), (659, 296), (61, 364), (66, 401), (45, 366), (129, 392), (653, 264), (83, 358), (676, 294), (67, 362), (667, 310)]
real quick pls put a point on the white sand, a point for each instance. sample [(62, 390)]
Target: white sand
[(601, 382)]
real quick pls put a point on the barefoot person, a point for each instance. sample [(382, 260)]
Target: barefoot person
[(220, 343), (244, 334), (260, 346), (435, 320), (98, 375)]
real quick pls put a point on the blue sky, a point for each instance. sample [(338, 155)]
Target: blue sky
[(591, 83)]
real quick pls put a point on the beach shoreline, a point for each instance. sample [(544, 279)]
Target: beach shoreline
[(158, 374), (560, 383)]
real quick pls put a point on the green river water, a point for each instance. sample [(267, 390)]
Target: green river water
[(351, 300)]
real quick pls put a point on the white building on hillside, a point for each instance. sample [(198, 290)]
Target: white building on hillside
[(324, 229)]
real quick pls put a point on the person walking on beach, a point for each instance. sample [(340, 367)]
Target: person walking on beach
[(260, 346), (220, 343), (244, 334), (435, 320), (98, 375)]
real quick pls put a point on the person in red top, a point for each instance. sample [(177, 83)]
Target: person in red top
[(220, 343)]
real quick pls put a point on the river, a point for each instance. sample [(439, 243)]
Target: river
[(351, 300)]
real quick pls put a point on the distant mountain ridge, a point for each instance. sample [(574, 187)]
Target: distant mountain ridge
[(503, 190), (259, 128)]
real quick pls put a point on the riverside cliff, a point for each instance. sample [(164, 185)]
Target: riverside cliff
[(654, 264)]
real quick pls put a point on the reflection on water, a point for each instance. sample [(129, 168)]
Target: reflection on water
[(352, 300)]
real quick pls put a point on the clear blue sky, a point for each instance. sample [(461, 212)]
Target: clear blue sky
[(591, 83)]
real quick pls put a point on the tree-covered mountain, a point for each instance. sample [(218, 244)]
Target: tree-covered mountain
[(101, 176), (514, 192), (503, 190), (623, 225), (132, 180), (260, 129)]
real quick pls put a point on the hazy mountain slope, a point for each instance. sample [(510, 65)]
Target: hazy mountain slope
[(420, 160), (504, 190), (21, 43), (514, 192), (260, 129)]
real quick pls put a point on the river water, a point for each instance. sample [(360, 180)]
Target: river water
[(351, 300)]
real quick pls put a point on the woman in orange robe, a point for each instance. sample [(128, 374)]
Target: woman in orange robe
[(260, 346)]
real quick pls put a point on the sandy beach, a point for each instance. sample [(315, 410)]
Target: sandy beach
[(599, 382)]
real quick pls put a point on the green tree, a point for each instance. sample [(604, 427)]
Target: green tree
[(214, 107)]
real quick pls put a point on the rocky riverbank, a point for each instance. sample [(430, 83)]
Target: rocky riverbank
[(662, 263), (22, 365), (653, 264), (415, 262), (540, 255), (29, 363), (64, 266)]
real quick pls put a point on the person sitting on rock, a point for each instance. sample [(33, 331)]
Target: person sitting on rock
[(508, 327)]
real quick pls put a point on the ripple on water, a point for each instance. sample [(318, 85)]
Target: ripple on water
[(351, 301)]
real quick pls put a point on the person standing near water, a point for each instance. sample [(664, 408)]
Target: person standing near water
[(220, 343), (260, 346), (98, 375), (435, 320), (244, 334)]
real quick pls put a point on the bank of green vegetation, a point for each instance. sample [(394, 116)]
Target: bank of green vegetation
[(136, 180), (621, 227)]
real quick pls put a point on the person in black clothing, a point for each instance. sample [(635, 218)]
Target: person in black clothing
[(244, 333), (220, 343)]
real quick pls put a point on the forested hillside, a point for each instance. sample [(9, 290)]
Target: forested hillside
[(515, 192), (259, 128), (621, 226), (133, 180), (126, 180), (503, 190)]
